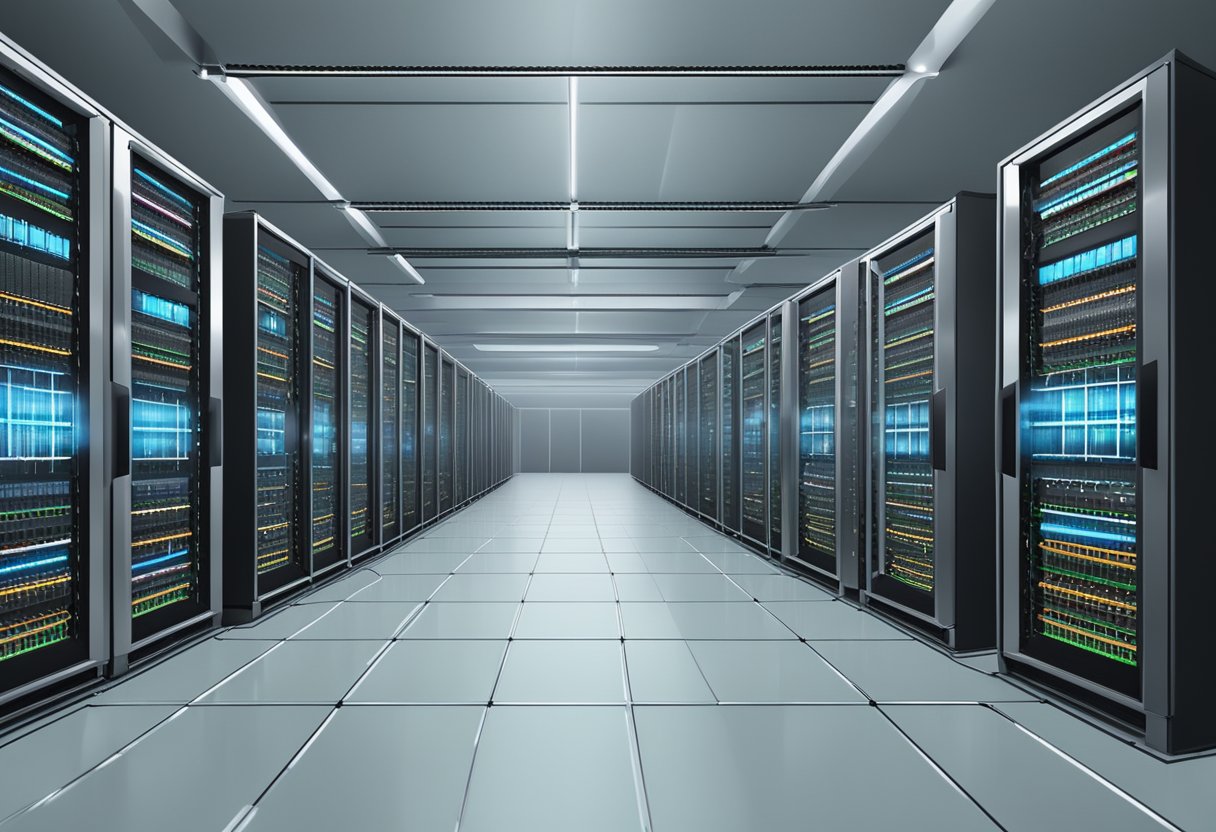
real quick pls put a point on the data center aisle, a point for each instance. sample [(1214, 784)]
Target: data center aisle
[(739, 699)]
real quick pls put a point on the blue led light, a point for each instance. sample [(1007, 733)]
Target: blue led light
[(907, 264), (165, 310), (49, 148), (144, 564), (1088, 261), (29, 105), (164, 238), (1055, 528), (159, 186), (1093, 157), (33, 183), (32, 564), (30, 236)]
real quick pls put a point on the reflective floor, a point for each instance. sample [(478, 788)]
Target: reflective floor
[(574, 653)]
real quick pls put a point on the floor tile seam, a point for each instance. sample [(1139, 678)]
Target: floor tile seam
[(242, 669), (940, 769), (246, 814), (1093, 773), (74, 781), (822, 658)]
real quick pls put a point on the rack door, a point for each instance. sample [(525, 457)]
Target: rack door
[(328, 423), (390, 429), (903, 330), (817, 349)]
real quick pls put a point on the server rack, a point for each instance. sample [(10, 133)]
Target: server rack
[(754, 434), (391, 474), (1105, 575), (732, 478), (167, 364), (710, 454), (364, 441), (460, 435), (411, 515), (930, 298), (330, 397), (429, 399), (829, 407), (447, 403), (266, 358), (53, 351), (774, 463), (692, 436)]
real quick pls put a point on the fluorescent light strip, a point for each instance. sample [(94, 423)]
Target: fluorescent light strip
[(630, 303), (252, 104), (408, 269), (572, 100), (566, 347)]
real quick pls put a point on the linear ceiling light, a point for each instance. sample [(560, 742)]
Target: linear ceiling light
[(566, 347), (405, 266), (581, 303), (634, 71), (253, 105)]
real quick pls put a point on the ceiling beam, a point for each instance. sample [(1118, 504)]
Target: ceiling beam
[(638, 71), (591, 253), (716, 206)]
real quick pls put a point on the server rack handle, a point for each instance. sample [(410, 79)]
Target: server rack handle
[(1009, 426), (120, 395), (1146, 431), (937, 429), (215, 432)]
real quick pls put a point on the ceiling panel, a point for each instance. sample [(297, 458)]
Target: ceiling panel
[(992, 98), (853, 226), (642, 236), (315, 225), (727, 152), (430, 152), (471, 219), (640, 322), (678, 219), (406, 91), (97, 48), (479, 32), (475, 237), (708, 90)]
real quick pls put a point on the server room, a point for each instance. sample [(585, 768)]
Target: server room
[(606, 415)]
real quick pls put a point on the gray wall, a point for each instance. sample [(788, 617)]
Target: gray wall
[(573, 440)]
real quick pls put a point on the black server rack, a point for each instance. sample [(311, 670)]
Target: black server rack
[(363, 444), (692, 436), (267, 280), (53, 198), (390, 427), (669, 437), (709, 454), (930, 302), (429, 401), (773, 430), (829, 411), (166, 359), (460, 436), (410, 492), (447, 389), (1105, 575), (329, 438), (732, 483), (681, 436), (754, 434)]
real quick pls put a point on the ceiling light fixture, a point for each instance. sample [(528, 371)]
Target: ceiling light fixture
[(408, 269), (566, 347), (572, 99), (573, 303), (920, 68), (252, 104)]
